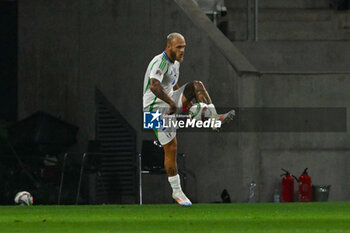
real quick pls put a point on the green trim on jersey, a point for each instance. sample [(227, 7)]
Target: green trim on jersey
[(149, 80), (153, 65), (156, 132), (150, 109), (152, 105), (163, 63), (197, 110), (166, 70)]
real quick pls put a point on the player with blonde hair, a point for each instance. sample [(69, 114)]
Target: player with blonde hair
[(162, 93)]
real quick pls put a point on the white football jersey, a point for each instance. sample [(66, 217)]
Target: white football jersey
[(162, 69)]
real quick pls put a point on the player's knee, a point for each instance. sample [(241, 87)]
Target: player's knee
[(189, 91), (198, 85)]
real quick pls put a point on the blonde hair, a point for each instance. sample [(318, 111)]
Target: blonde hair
[(172, 36)]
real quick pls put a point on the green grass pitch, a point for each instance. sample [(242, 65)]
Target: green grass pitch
[(264, 217)]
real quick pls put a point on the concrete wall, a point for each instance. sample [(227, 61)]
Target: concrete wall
[(325, 154), (285, 20), (297, 56), (66, 49)]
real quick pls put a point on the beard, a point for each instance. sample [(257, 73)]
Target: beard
[(173, 55)]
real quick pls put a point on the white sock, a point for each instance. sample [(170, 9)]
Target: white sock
[(212, 109), (175, 183)]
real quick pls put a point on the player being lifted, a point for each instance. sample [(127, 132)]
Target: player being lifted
[(162, 93)]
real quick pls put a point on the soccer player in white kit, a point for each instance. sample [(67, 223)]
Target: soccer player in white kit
[(161, 92)]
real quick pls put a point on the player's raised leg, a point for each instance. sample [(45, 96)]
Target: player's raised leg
[(170, 164), (196, 90)]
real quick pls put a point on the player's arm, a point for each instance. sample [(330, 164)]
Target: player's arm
[(159, 91), (176, 87)]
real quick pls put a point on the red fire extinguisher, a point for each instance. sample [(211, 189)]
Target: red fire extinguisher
[(304, 187), (287, 187)]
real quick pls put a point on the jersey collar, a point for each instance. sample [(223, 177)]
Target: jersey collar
[(166, 56)]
